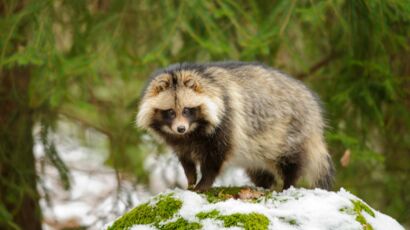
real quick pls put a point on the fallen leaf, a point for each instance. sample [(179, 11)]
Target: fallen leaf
[(247, 193), (345, 160)]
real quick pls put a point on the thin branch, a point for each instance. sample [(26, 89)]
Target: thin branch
[(322, 63), (83, 121)]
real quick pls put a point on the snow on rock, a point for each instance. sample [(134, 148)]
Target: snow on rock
[(249, 208)]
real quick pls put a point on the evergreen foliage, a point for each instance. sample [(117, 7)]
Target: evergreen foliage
[(88, 61)]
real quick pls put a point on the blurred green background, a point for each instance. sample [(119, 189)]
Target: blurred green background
[(87, 61)]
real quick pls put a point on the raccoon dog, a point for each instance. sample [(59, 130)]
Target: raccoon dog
[(245, 114)]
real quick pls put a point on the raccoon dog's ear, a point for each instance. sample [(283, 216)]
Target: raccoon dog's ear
[(161, 84), (193, 84)]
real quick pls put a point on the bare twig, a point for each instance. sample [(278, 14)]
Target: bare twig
[(317, 66), (83, 121)]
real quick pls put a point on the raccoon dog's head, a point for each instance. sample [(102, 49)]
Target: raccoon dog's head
[(179, 102)]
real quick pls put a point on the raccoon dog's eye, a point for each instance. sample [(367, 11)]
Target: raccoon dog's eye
[(170, 113), (188, 111)]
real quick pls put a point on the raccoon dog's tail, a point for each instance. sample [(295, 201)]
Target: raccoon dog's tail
[(320, 169), (325, 181)]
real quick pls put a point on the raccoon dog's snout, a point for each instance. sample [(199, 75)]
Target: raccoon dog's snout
[(180, 126), (181, 129)]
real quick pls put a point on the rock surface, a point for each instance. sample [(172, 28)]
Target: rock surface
[(250, 208)]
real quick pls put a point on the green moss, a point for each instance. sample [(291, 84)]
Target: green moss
[(366, 226), (290, 221), (252, 220), (210, 215), (348, 210), (217, 194), (357, 209), (293, 222), (360, 206), (269, 195), (181, 224), (275, 197), (167, 206), (164, 209)]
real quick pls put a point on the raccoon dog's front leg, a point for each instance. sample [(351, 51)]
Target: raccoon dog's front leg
[(210, 167), (190, 170)]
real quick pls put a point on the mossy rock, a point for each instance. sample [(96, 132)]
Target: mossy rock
[(250, 208), (164, 207)]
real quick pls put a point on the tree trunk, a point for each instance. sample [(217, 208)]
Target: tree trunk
[(18, 192)]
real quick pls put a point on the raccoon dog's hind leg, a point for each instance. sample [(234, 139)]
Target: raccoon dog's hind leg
[(261, 178), (290, 165), (291, 159)]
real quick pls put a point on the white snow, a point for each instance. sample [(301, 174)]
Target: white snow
[(94, 197), (142, 227), (311, 209)]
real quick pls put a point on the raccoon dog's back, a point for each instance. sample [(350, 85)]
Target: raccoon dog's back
[(238, 113)]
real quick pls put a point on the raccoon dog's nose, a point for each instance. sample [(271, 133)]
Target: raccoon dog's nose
[(181, 129)]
